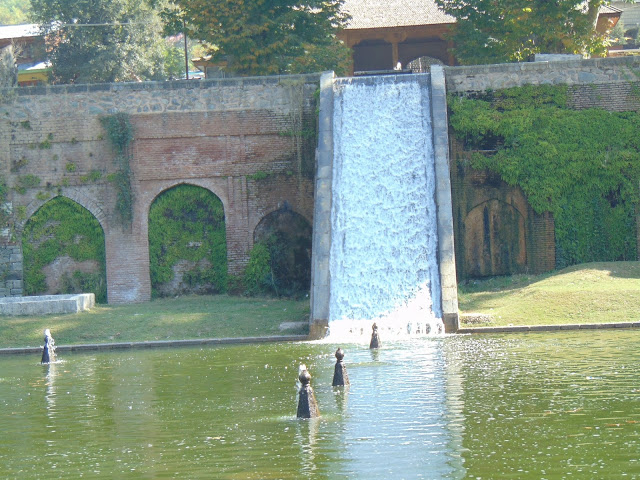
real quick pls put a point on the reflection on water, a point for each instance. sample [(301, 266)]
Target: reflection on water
[(520, 406)]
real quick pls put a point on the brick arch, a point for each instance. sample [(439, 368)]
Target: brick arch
[(72, 194), (160, 187), (276, 210), (494, 239), (291, 265), (283, 206), (63, 263), (184, 264)]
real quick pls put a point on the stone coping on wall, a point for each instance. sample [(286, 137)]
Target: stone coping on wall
[(301, 338), (166, 85), (476, 78), (548, 328), (159, 344), (47, 304)]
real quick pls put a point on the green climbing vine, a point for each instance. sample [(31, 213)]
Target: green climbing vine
[(5, 211), (61, 227), (186, 223), (280, 262), (120, 135), (583, 166), (303, 127)]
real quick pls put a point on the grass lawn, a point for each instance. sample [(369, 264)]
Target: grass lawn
[(587, 293), (191, 317)]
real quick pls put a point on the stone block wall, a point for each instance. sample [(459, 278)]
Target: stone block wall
[(10, 271), (596, 71)]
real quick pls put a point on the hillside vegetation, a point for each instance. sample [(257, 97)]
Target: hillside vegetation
[(14, 12)]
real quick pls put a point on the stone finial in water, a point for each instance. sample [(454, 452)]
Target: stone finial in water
[(307, 405), (340, 376), (375, 338), (49, 349)]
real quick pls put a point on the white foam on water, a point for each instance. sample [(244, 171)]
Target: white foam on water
[(383, 259)]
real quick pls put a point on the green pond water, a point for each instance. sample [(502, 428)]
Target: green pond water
[(541, 405)]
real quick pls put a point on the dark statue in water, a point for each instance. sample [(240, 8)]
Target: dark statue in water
[(375, 338), (307, 405), (340, 376), (49, 350)]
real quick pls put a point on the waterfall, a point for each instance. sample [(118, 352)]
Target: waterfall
[(384, 255)]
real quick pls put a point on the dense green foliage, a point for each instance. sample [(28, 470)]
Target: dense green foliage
[(102, 40), (8, 69), (280, 261), (258, 277), (120, 134), (14, 12), (267, 36), (5, 214), (186, 223), (495, 31), (582, 166), (61, 228)]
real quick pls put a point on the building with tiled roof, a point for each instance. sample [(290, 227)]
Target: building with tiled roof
[(383, 34), (394, 13)]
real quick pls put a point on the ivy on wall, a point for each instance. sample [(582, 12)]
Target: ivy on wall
[(5, 210), (120, 135), (583, 166), (60, 228), (187, 223), (280, 260)]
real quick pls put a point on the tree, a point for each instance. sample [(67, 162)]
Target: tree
[(261, 37), (8, 69), (14, 12), (494, 31), (93, 41)]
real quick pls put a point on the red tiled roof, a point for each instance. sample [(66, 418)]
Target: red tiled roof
[(394, 13)]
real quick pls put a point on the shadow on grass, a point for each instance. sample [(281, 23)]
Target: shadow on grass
[(614, 269), (502, 283), (514, 282)]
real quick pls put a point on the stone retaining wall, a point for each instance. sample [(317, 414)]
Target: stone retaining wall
[(10, 271), (487, 243), (223, 135), (596, 71)]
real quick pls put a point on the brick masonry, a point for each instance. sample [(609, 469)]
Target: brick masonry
[(217, 134), (483, 203)]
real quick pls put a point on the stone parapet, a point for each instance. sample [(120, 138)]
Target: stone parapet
[(480, 78)]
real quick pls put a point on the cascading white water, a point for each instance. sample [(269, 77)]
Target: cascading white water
[(383, 258)]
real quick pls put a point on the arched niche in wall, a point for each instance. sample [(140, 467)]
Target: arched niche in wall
[(287, 235), (422, 64), (494, 240), (64, 251), (187, 242)]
